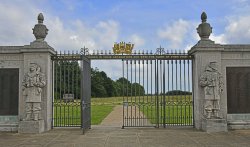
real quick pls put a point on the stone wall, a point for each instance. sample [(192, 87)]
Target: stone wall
[(206, 52)]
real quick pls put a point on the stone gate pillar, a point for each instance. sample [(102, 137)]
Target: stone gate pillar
[(36, 115), (209, 105)]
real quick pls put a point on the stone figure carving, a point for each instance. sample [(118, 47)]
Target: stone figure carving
[(33, 83), (211, 81)]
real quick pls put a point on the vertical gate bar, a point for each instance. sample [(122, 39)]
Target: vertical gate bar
[(64, 88), (72, 91), (82, 78), (157, 95), (189, 113), (60, 98), (147, 93), (143, 102), (127, 94), (123, 93), (172, 117), (168, 96), (159, 91), (135, 121), (131, 114), (151, 101), (139, 104), (55, 62), (53, 94), (68, 65), (185, 99), (181, 119), (176, 98), (77, 96), (192, 119), (164, 96)]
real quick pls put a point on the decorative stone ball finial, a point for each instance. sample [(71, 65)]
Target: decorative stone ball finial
[(40, 30), (204, 30)]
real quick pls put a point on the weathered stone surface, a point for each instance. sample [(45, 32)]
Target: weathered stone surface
[(211, 81), (31, 126), (214, 125)]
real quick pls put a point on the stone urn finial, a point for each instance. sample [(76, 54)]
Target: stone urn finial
[(40, 30), (204, 29)]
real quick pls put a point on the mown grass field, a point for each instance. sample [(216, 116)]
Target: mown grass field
[(178, 109)]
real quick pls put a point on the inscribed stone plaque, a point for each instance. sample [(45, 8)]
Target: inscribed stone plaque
[(238, 89), (9, 79)]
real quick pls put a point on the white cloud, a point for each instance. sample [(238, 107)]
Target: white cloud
[(16, 25), (137, 40), (176, 32), (238, 30), (218, 38), (17, 21)]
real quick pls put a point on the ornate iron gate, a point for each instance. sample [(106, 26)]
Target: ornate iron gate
[(167, 97), (67, 90), (157, 89)]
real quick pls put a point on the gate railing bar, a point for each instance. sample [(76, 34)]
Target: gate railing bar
[(147, 89), (60, 101), (151, 100), (131, 100), (180, 101), (176, 102), (123, 93), (143, 103), (164, 95), (139, 93), (191, 119), (53, 96)]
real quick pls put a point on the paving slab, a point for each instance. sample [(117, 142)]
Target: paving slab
[(101, 136)]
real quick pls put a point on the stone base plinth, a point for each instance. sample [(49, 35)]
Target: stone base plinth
[(31, 126), (214, 125)]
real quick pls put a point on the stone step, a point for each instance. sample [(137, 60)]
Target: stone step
[(10, 127), (238, 124)]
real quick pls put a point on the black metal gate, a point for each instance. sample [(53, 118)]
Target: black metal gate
[(166, 98), (71, 90), (157, 89)]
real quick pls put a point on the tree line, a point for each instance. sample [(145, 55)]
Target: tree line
[(68, 81)]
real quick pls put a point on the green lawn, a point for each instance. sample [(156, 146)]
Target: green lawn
[(173, 114), (99, 112), (70, 114), (178, 109)]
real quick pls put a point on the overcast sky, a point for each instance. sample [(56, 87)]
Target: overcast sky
[(97, 24)]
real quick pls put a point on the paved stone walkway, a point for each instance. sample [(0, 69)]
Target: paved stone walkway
[(134, 137), (114, 118), (110, 134)]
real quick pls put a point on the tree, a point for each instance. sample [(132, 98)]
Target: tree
[(68, 81)]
